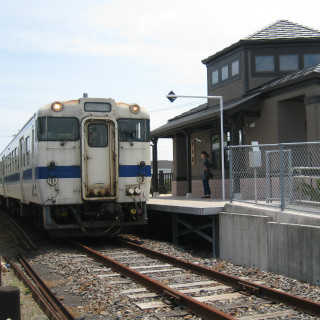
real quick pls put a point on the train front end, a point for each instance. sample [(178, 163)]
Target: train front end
[(98, 169)]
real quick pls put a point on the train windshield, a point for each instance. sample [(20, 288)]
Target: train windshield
[(134, 129), (57, 129)]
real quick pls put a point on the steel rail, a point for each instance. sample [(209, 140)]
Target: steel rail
[(302, 304), (19, 232), (44, 305), (50, 297), (200, 309)]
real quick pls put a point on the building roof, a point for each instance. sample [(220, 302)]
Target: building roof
[(203, 112), (283, 30), (198, 115), (299, 75)]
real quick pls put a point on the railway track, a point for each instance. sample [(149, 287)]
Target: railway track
[(166, 287), (46, 300), (21, 235), (208, 294)]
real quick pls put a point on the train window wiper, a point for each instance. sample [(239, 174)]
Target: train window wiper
[(68, 137)]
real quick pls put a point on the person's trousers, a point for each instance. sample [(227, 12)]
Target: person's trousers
[(206, 187)]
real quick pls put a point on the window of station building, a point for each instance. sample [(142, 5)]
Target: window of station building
[(289, 62), (225, 73), (311, 59), (264, 63), (215, 77), (216, 157), (235, 68)]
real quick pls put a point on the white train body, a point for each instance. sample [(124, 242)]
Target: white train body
[(85, 167)]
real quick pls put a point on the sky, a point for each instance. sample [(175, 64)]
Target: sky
[(131, 51)]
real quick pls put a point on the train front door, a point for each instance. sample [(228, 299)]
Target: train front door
[(99, 160)]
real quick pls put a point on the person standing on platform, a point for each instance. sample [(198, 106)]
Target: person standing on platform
[(205, 174)]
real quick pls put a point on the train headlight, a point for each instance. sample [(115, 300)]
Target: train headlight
[(57, 106), (137, 190), (134, 108)]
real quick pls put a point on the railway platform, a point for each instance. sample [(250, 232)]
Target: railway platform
[(191, 215)]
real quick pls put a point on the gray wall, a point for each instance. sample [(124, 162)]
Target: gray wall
[(273, 241), (244, 239), (294, 251)]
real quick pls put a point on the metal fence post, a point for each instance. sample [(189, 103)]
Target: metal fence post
[(282, 190), (230, 174)]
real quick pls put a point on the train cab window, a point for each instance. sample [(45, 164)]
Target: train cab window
[(134, 130), (97, 135), (57, 129)]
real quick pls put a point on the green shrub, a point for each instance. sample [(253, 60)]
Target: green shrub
[(312, 191)]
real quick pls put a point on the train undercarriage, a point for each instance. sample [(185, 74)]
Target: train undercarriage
[(102, 219)]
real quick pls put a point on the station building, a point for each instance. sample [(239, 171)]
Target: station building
[(270, 83)]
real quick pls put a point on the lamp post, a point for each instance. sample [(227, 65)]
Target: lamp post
[(172, 96)]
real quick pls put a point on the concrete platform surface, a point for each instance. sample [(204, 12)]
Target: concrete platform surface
[(195, 206)]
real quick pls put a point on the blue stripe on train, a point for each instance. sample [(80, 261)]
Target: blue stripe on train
[(134, 171), (75, 172), (58, 172)]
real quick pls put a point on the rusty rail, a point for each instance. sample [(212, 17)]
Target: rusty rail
[(58, 306), (201, 309), (305, 305), (48, 303), (21, 235)]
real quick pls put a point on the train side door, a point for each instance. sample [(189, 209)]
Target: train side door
[(99, 160), (3, 173), (33, 160), (21, 166)]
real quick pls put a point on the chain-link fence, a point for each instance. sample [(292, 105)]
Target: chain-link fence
[(282, 175)]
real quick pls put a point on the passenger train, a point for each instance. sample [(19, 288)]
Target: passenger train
[(80, 167)]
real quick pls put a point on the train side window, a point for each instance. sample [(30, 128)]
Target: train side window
[(97, 135), (41, 129)]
